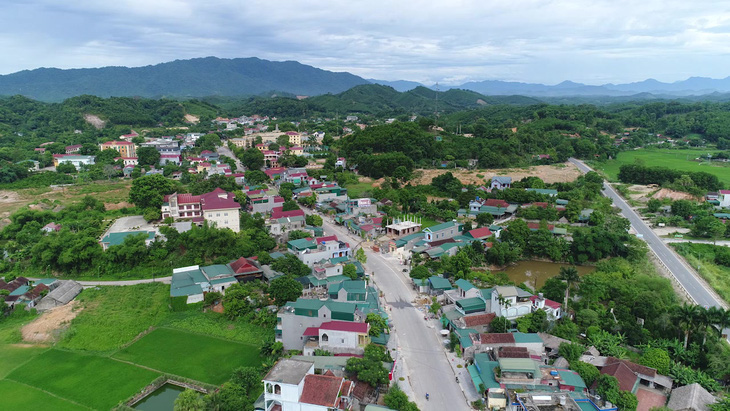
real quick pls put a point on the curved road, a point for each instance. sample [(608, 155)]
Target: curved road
[(686, 277), (419, 345)]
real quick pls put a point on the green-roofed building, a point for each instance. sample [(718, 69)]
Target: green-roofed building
[(464, 338), (463, 284), (349, 290), (571, 379), (561, 202), (525, 366), (471, 305), (301, 244), (585, 215), (112, 239), (443, 231), (483, 368), (217, 270), (451, 316), (439, 284), (544, 191)]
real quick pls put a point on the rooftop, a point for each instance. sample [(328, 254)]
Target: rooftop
[(289, 371)]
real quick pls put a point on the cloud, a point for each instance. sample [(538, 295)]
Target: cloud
[(429, 41)]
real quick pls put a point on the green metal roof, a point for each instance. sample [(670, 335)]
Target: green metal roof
[(341, 307), (496, 211), (442, 226), (217, 269), (276, 255), (354, 286), (339, 260), (420, 282), (486, 370), (464, 339), (301, 244), (561, 202), (476, 379), (486, 293), (526, 338), (20, 290), (223, 280), (560, 231), (380, 339), (118, 238), (439, 283), (453, 315), (519, 365), (546, 191), (571, 378), (464, 284), (722, 215), (46, 281), (188, 290), (307, 304), (470, 305)]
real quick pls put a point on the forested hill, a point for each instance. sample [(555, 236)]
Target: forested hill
[(373, 99), (199, 77)]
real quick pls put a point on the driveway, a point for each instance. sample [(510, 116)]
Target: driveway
[(225, 151), (419, 344)]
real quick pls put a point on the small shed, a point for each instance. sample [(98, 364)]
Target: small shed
[(62, 295)]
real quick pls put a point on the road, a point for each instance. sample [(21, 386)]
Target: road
[(419, 345), (686, 277), (225, 151), (87, 284)]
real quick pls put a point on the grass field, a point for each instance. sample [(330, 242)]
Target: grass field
[(113, 316), (216, 325), (195, 356), (703, 255), (17, 396), (10, 327), (93, 381), (674, 159), (359, 190), (12, 356)]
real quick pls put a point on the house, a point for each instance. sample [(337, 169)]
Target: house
[(73, 149), (443, 231), (209, 155), (724, 198), (281, 227), (51, 227), (310, 250), (170, 159), (32, 165), (482, 233), (292, 385), (296, 317), (692, 397), (501, 182), (125, 148), (341, 162), (130, 161), (295, 139), (77, 160), (118, 238), (217, 207), (61, 295), (399, 229), (193, 282), (510, 302), (543, 191), (337, 337), (553, 308)]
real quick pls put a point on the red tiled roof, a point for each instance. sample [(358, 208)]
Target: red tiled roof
[(634, 367), (550, 303), (168, 156), (74, 146), (320, 240), (276, 213), (626, 378), (493, 202), (378, 220), (724, 191), (118, 143), (367, 227), (206, 152), (347, 326), (497, 338), (311, 332), (536, 226), (36, 291), (479, 319), (185, 198), (243, 265), (321, 390), (483, 232), (218, 200), (513, 352)]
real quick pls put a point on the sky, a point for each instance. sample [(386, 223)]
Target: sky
[(449, 42)]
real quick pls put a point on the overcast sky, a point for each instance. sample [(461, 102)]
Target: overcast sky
[(451, 42)]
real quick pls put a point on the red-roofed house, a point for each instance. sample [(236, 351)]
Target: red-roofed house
[(551, 307), (277, 213), (480, 233), (337, 337), (40, 150), (217, 207), (73, 149), (320, 240), (50, 227), (626, 378)]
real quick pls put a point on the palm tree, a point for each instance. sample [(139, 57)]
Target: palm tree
[(503, 302), (686, 315), (570, 276)]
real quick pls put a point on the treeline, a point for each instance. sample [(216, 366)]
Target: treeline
[(640, 174)]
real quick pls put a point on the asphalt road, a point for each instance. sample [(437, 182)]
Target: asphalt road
[(87, 284), (686, 277), (419, 344), (225, 151)]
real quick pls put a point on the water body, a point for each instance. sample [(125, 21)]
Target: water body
[(161, 399), (535, 273)]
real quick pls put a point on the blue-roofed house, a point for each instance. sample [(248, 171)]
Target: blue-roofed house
[(118, 238), (500, 182)]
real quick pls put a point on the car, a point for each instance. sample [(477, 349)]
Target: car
[(405, 270)]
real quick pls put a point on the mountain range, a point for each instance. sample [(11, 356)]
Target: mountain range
[(211, 76)]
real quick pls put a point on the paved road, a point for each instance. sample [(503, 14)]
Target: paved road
[(685, 276), (87, 284), (225, 151), (419, 345)]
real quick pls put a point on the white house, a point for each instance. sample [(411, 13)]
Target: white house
[(501, 182), (511, 302), (337, 337), (291, 385)]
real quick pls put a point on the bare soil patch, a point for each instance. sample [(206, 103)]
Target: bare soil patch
[(117, 206), (192, 119), (556, 173), (641, 193), (94, 121), (673, 195), (46, 327)]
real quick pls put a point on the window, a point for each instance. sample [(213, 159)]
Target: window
[(342, 340), (217, 214), (225, 214), (277, 389), (325, 338)]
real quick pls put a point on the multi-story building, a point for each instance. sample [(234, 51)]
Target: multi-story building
[(77, 160), (218, 207), (125, 148), (310, 251), (292, 385), (296, 317)]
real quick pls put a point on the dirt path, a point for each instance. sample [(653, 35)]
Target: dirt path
[(556, 173), (44, 328)]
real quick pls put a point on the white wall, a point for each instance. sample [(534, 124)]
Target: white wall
[(339, 339), (227, 218)]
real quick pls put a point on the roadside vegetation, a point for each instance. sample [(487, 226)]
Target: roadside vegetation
[(712, 263)]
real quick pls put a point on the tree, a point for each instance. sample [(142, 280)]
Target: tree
[(285, 193), (298, 234), (290, 205), (284, 289), (291, 265), (152, 214), (369, 368), (252, 158), (607, 387), (189, 400), (314, 220), (570, 351), (435, 306), (236, 301), (148, 191), (397, 400), (485, 219), (682, 208), (656, 358), (377, 323), (554, 289), (360, 256), (256, 177), (570, 276), (148, 156), (66, 168), (588, 372), (500, 325), (626, 401), (420, 272), (350, 271), (653, 205)]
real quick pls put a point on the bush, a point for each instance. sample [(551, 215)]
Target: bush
[(178, 304), (212, 298)]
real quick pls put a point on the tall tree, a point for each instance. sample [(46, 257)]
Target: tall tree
[(570, 276)]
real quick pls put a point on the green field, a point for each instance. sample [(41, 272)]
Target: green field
[(359, 189), (113, 316), (93, 381), (703, 256), (17, 396), (674, 159), (216, 325), (195, 356), (12, 356)]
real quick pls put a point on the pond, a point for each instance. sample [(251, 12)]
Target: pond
[(161, 399), (535, 273)]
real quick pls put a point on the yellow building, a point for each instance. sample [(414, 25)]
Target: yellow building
[(125, 148)]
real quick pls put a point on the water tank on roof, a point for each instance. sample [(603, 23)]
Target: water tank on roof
[(554, 373)]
